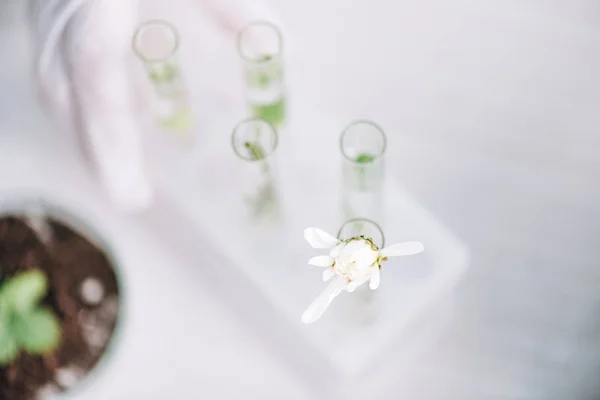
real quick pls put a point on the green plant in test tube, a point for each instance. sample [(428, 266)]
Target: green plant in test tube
[(260, 47), (156, 43), (254, 141), (363, 144)]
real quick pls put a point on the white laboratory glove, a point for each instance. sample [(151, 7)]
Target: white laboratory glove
[(234, 15), (82, 52), (82, 49)]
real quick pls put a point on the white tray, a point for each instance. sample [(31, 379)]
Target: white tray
[(272, 260)]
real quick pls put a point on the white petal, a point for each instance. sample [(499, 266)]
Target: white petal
[(328, 274), (375, 278), (336, 250), (320, 304), (352, 247), (364, 258), (402, 249), (319, 239), (347, 253), (321, 261), (351, 287)]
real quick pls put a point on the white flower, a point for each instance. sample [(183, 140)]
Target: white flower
[(349, 264)]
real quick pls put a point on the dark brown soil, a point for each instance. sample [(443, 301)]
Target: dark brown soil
[(86, 328)]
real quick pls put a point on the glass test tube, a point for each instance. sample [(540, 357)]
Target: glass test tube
[(156, 43), (362, 144), (254, 142), (260, 46)]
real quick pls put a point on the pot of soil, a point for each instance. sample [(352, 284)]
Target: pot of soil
[(60, 301)]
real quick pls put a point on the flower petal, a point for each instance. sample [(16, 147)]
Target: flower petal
[(351, 287), (336, 250), (321, 261), (364, 258), (402, 249), (375, 278), (320, 304), (328, 274), (352, 247), (319, 239)]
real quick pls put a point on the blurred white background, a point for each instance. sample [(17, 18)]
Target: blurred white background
[(492, 109)]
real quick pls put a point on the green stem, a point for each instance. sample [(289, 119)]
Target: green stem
[(266, 197), (163, 73), (256, 151), (363, 158)]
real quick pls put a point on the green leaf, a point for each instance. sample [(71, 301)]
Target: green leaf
[(9, 349), (268, 72), (24, 291), (263, 81), (272, 112), (163, 73), (38, 332), (365, 158), (256, 151), (4, 312)]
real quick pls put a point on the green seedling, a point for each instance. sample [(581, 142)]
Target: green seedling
[(264, 201), (255, 151), (265, 71), (266, 198), (266, 75), (272, 112), (163, 73), (363, 158), (263, 79), (24, 325)]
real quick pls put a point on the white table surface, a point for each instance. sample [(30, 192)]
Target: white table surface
[(494, 107)]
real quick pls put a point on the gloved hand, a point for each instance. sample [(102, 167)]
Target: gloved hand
[(82, 50)]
